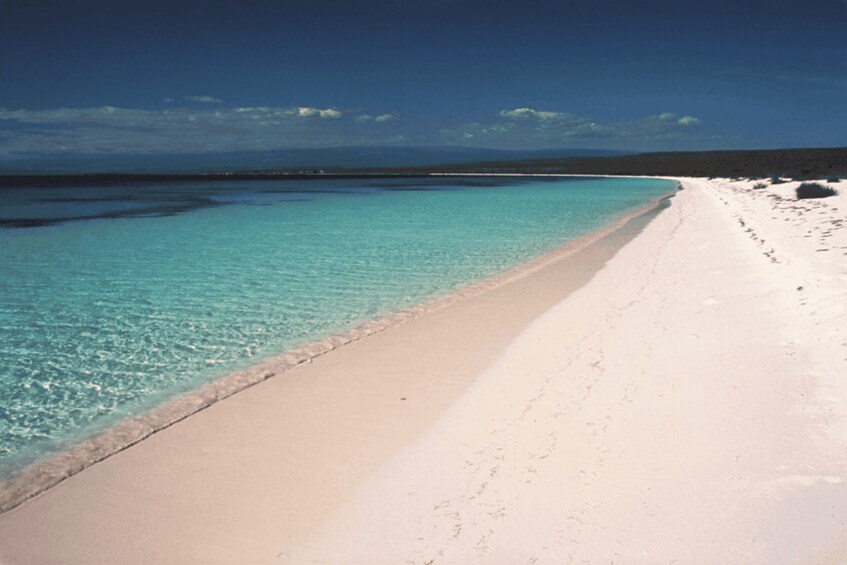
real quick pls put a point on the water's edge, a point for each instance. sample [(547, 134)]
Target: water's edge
[(51, 471)]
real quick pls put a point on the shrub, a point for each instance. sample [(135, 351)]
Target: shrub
[(833, 179), (814, 190), (777, 180), (760, 185)]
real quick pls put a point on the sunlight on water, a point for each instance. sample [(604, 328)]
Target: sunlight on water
[(113, 299)]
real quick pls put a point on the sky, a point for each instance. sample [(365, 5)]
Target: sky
[(154, 77)]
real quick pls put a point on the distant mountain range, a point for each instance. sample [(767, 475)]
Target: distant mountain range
[(329, 158)]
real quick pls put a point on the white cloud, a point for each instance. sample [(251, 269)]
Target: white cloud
[(524, 127), (309, 112), (204, 99), (330, 113), (382, 118), (530, 114), (672, 118)]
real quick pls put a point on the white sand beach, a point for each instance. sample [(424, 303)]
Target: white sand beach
[(687, 405)]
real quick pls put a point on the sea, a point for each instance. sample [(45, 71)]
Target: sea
[(118, 297)]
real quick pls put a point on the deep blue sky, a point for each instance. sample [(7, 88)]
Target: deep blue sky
[(149, 77)]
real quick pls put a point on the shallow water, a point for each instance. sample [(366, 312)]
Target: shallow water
[(116, 298)]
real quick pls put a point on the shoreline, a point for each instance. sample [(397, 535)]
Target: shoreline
[(51, 471), (685, 405)]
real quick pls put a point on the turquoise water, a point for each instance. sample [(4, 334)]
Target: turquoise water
[(115, 298)]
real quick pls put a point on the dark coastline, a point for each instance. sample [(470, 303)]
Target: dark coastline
[(794, 163), (814, 163)]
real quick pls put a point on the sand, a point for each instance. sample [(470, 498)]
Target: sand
[(687, 405)]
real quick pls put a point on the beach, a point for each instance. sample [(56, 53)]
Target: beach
[(676, 397)]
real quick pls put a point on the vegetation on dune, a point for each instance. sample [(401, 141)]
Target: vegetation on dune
[(814, 190)]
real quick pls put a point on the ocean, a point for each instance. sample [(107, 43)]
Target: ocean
[(117, 298)]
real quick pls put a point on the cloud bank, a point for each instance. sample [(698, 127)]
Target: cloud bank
[(115, 130), (531, 128), (109, 130)]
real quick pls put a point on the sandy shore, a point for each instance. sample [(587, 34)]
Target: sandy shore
[(686, 406)]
